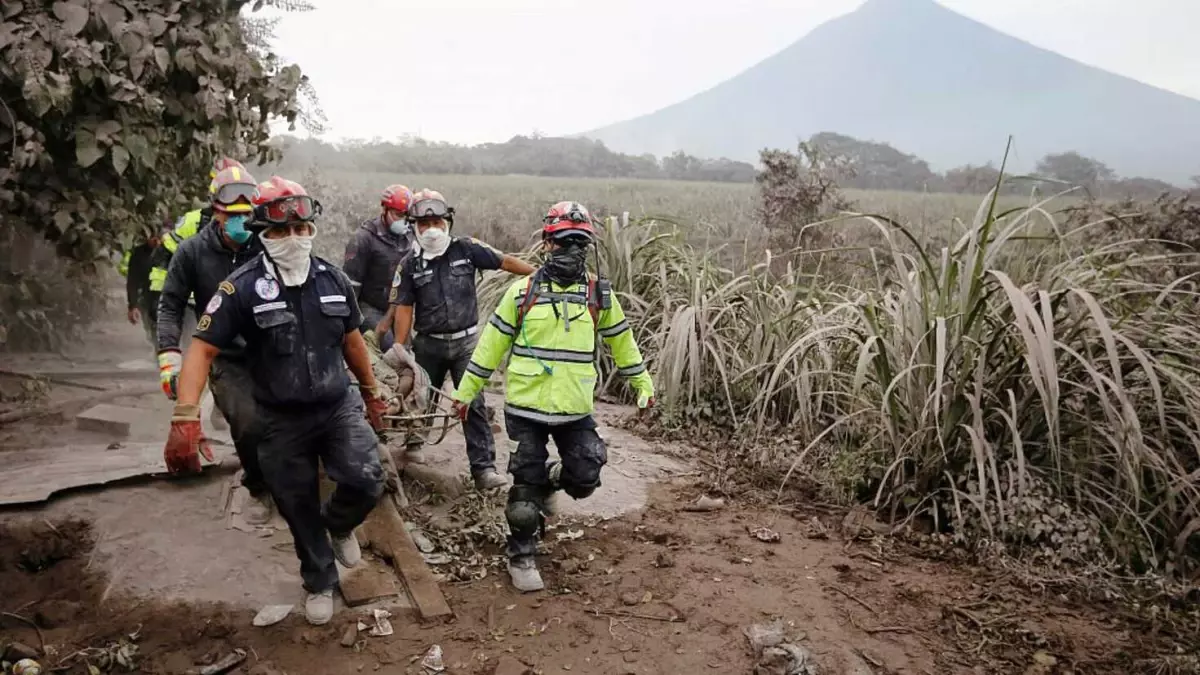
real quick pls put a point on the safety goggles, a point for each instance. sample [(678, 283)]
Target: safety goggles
[(569, 217), (429, 208), (232, 192), (288, 209)]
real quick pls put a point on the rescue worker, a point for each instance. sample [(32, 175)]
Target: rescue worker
[(435, 297), (135, 267), (199, 266), (299, 319), (548, 324), (373, 254)]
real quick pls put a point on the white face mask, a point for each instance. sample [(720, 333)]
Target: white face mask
[(292, 255), (434, 241)]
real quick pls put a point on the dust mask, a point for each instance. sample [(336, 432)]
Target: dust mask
[(434, 242), (292, 255)]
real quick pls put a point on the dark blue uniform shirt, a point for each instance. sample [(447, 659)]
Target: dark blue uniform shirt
[(442, 291), (293, 336)]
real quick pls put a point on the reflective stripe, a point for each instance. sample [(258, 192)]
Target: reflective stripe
[(502, 325), (171, 242), (333, 298), (630, 371), (613, 331), (553, 354), (355, 284), (544, 417), (464, 261), (158, 279), (451, 336), (259, 309), (479, 370)]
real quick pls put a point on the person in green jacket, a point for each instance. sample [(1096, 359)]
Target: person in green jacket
[(548, 324)]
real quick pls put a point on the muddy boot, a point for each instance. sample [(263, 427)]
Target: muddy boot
[(524, 574), (346, 549), (258, 508), (318, 607), (489, 479)]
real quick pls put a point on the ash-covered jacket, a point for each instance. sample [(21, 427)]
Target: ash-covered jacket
[(198, 268), (551, 373), (372, 256)]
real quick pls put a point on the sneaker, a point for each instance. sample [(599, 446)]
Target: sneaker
[(318, 607), (346, 549), (489, 479), (525, 575), (258, 508)]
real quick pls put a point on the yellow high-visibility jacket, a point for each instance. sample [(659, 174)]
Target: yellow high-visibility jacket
[(551, 374), (188, 226)]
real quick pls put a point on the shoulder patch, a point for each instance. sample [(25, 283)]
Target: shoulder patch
[(204, 322), (394, 294), (213, 305), (226, 287), (266, 288)]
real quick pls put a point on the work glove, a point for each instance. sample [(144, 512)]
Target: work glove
[(645, 400), (169, 364), (460, 410), (186, 442), (372, 339), (375, 406)]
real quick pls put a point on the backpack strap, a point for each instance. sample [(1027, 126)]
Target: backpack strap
[(527, 301)]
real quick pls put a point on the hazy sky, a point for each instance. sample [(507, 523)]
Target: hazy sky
[(484, 70)]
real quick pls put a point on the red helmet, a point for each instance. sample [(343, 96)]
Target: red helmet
[(232, 190), (429, 204), (567, 218), (222, 163), (279, 201), (396, 197)]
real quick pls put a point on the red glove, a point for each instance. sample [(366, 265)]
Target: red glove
[(376, 409), (460, 410), (186, 442)]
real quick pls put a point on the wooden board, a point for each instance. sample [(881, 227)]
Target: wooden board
[(368, 581), (385, 529), (30, 476), (109, 419)]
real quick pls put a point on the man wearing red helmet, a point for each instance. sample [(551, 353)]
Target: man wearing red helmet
[(198, 268), (547, 325), (299, 320), (434, 294), (373, 254)]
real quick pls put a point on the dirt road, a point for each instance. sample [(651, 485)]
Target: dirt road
[(636, 585)]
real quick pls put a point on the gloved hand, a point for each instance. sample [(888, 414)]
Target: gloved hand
[(372, 339), (645, 400), (186, 442), (169, 364), (460, 410), (376, 408)]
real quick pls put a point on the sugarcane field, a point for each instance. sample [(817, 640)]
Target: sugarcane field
[(865, 344)]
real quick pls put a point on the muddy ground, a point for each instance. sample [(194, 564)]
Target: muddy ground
[(636, 583)]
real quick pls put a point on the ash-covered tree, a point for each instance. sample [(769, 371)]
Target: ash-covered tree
[(797, 189), (114, 110), (1072, 167)]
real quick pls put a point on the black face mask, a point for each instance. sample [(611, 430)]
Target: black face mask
[(567, 264)]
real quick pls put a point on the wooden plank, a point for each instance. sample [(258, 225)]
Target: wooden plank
[(368, 581), (31, 476), (109, 419), (390, 539)]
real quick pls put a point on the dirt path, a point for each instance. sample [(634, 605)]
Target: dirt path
[(637, 586)]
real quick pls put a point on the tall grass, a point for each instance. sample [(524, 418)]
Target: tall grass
[(1025, 382)]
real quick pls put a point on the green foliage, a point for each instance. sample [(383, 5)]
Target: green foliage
[(116, 109)]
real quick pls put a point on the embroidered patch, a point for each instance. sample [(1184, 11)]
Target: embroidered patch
[(259, 309), (213, 305), (333, 298), (267, 288), (396, 278), (203, 323), (225, 286), (392, 296)]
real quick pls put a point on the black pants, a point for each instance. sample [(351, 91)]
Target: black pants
[(293, 441), (232, 389), (439, 357), (583, 454)]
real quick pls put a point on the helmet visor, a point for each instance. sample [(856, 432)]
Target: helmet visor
[(288, 209), (428, 208), (232, 192)]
